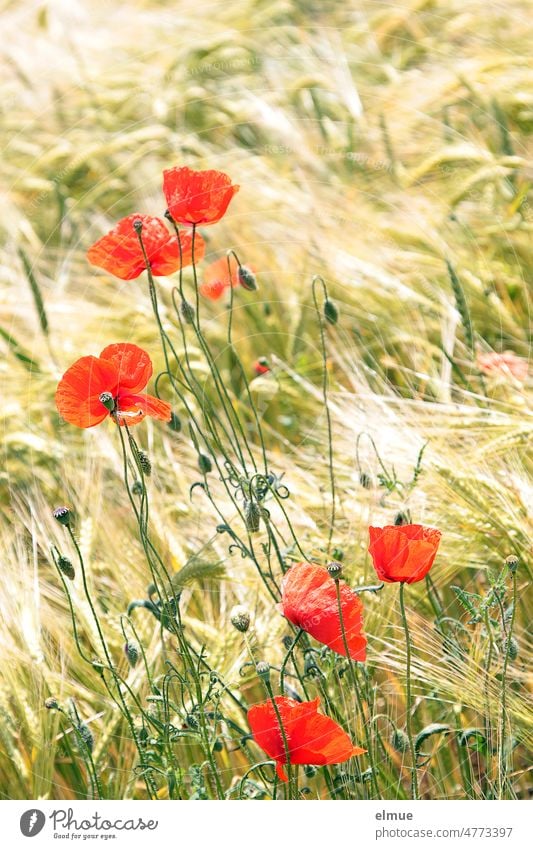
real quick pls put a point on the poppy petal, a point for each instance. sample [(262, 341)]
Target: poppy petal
[(120, 252), (133, 365), (309, 600), (78, 392), (148, 405), (197, 197)]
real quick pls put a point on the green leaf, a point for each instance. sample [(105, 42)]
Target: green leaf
[(474, 739)]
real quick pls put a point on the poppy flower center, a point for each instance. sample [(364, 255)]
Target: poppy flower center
[(108, 401)]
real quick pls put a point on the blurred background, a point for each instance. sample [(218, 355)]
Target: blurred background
[(373, 142)]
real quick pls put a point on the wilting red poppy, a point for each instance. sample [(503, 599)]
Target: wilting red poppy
[(197, 197), (120, 253), (261, 366), (403, 553), (96, 387), (312, 738), (506, 364), (217, 277), (309, 600)]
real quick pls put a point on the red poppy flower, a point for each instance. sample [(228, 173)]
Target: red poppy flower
[(309, 600), (312, 738), (94, 387), (506, 364), (120, 253), (261, 366), (217, 277), (197, 197), (403, 553)]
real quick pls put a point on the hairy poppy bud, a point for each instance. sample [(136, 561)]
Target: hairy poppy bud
[(137, 488), (399, 740), (331, 311), (365, 480), (192, 721), (51, 703), (86, 735), (204, 464), (263, 670), (188, 312), (310, 771), (62, 515), (66, 567), (107, 400), (145, 464), (512, 648), (512, 563), (252, 516), (240, 618), (335, 569), (131, 650), (174, 423), (247, 279)]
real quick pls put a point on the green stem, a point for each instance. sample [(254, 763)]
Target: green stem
[(414, 777), (508, 638), (357, 691)]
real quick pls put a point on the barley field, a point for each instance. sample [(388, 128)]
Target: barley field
[(383, 150)]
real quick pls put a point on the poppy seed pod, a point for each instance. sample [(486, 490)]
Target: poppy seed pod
[(107, 400), (62, 515), (240, 618), (263, 670), (247, 279), (131, 650), (512, 563), (66, 567), (331, 311), (335, 569)]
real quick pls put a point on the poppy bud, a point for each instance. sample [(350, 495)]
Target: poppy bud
[(247, 279), (240, 618), (62, 515), (331, 311), (401, 518), (188, 312), (218, 745), (145, 464), (97, 664), (131, 650), (86, 735), (261, 366), (512, 563), (335, 569), (399, 740), (365, 480), (66, 567), (204, 464), (174, 423), (310, 771), (263, 670), (192, 721), (512, 648), (287, 642), (252, 516), (107, 400), (51, 703), (137, 488)]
